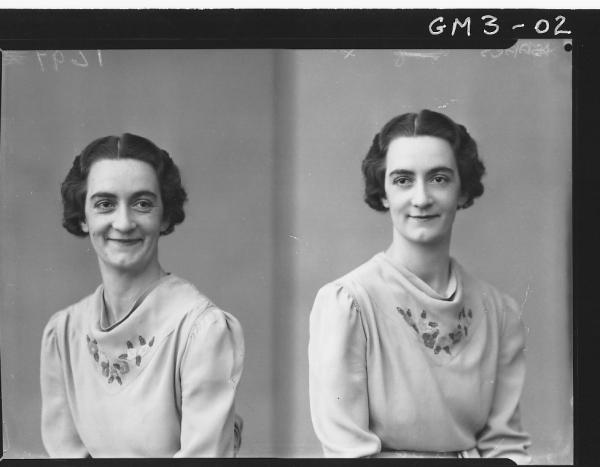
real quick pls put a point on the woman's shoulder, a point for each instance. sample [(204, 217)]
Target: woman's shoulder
[(347, 292), (74, 312), (208, 328), (198, 310), (214, 317), (496, 302), (360, 278), (481, 286), (175, 300), (73, 316)]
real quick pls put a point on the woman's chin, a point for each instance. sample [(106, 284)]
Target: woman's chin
[(126, 265)]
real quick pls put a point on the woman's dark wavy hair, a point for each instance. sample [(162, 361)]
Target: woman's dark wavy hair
[(425, 123), (126, 146)]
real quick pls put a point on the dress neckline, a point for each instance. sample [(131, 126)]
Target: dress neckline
[(442, 324), (420, 284), (103, 324)]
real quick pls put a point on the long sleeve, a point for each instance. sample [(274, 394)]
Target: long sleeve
[(503, 435), (210, 371), (338, 376), (59, 434)]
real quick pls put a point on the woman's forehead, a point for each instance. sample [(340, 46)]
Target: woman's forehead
[(413, 153), (121, 176)]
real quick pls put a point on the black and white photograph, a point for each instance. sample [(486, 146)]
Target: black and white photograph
[(287, 253)]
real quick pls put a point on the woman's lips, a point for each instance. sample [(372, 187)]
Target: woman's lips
[(125, 241), (424, 217)]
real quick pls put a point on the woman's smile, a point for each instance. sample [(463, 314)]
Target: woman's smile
[(124, 244), (125, 241), (423, 217)]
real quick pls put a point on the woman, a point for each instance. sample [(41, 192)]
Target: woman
[(409, 354), (146, 365)]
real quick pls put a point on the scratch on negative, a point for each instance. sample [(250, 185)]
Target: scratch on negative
[(525, 298), (295, 238), (9, 57), (6, 441), (401, 55), (432, 55)]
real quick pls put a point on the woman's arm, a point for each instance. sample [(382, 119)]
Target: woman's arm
[(338, 376), (59, 435), (503, 435), (210, 371)]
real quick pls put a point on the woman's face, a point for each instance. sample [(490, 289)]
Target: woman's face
[(123, 214), (422, 188)]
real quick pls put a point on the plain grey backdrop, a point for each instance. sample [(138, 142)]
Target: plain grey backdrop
[(270, 143)]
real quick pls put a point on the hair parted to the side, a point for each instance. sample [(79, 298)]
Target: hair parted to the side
[(424, 123), (127, 146)]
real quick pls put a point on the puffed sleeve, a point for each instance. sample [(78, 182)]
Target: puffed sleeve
[(503, 435), (59, 434), (338, 376), (210, 371)]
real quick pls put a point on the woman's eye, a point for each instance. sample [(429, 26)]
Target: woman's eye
[(401, 181), (143, 205), (440, 179), (104, 205)]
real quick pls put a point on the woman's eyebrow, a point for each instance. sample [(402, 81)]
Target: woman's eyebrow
[(441, 168), (137, 194), (103, 194), (147, 193), (401, 172), (438, 169)]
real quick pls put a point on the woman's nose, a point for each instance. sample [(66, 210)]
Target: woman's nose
[(123, 220), (421, 197)]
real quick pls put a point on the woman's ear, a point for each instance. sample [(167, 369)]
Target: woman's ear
[(385, 202), (462, 200), (84, 226)]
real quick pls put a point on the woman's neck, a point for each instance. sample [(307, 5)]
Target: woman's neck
[(430, 262), (122, 288)]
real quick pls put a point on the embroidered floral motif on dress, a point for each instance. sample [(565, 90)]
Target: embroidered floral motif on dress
[(429, 330), (114, 369)]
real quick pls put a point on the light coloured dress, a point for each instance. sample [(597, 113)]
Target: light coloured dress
[(161, 382), (398, 369)]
